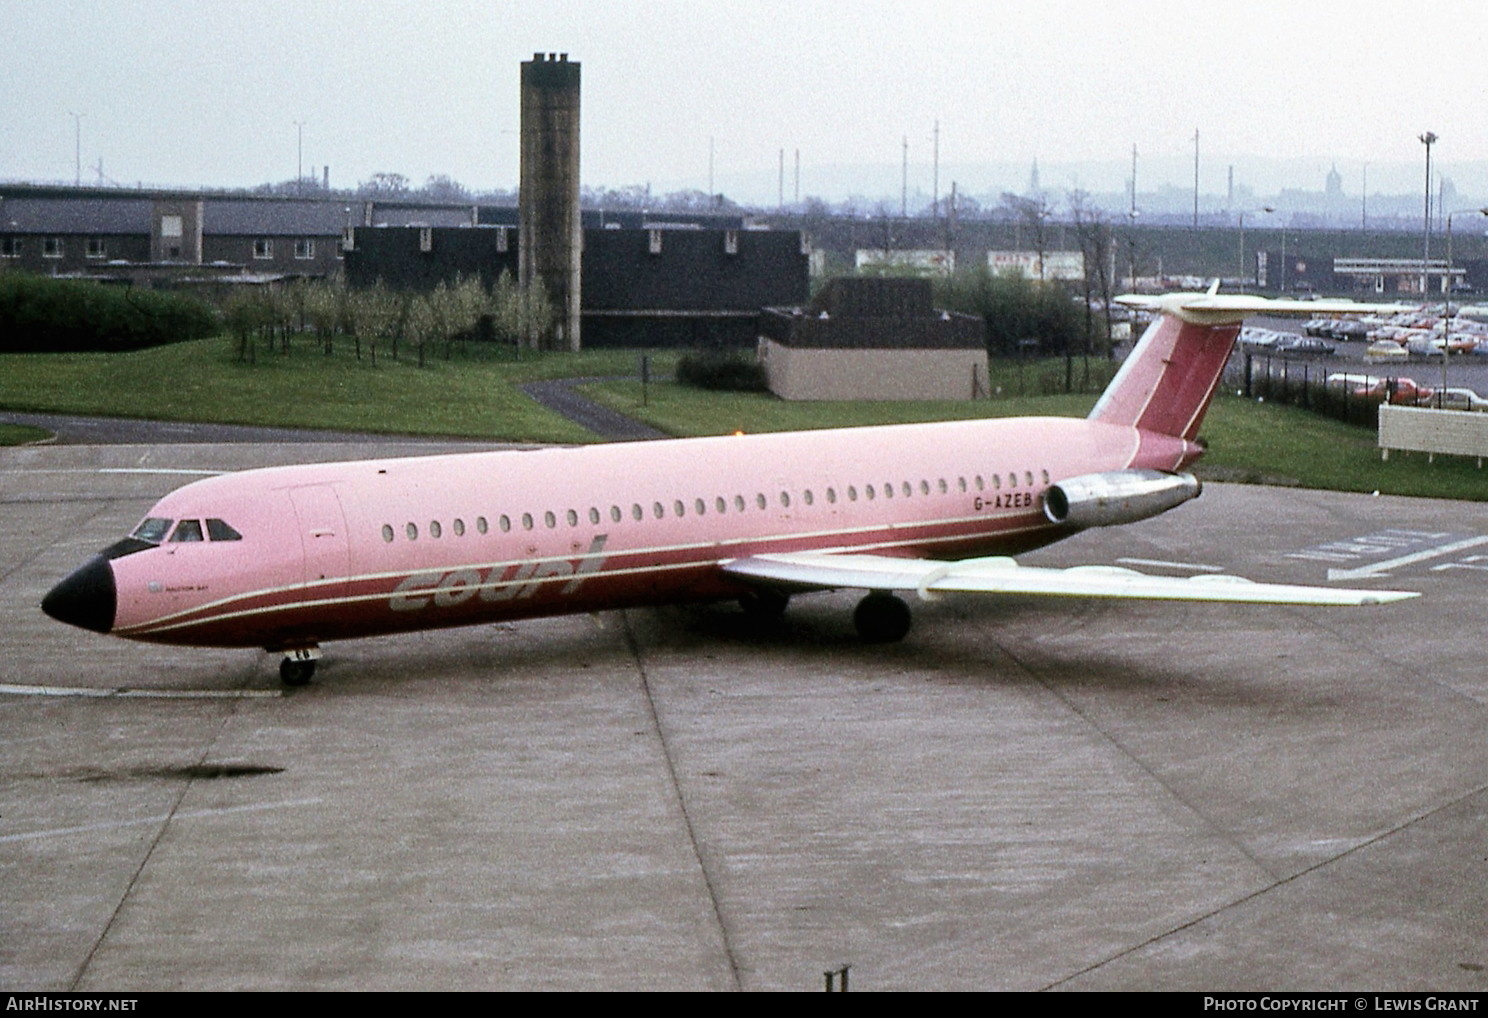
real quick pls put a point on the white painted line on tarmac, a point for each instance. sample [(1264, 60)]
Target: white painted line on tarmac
[(1190, 566), (1380, 568), (61, 832), (142, 694)]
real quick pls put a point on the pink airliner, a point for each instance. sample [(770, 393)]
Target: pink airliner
[(288, 558)]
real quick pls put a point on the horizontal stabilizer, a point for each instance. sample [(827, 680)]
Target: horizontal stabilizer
[(1004, 576), (1214, 308)]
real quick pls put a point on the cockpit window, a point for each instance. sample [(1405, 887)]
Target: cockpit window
[(221, 530), (188, 530), (153, 530)]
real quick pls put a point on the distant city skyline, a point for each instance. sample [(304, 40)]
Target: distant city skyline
[(679, 94)]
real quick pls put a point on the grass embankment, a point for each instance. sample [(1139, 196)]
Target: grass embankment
[(479, 397)]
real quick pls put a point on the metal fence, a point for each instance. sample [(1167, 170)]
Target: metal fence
[(1300, 383)]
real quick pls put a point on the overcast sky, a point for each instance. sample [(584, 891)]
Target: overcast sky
[(193, 93)]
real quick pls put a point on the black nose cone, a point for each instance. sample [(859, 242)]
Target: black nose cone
[(86, 599)]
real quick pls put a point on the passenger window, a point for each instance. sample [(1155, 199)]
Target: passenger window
[(412, 531), (832, 495), (220, 530), (573, 518), (700, 506), (679, 508), (785, 499), (480, 524), (810, 498), (550, 520), (1045, 475), (852, 493), (868, 490), (435, 530), (658, 510), (526, 521), (188, 530), (505, 523), (594, 515), (908, 491), (721, 505), (387, 532), (615, 514), (1012, 480), (635, 511), (889, 490), (1028, 477), (760, 501), (925, 487), (961, 483), (738, 503), (459, 526)]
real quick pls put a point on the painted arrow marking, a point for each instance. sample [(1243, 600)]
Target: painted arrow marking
[(1381, 568)]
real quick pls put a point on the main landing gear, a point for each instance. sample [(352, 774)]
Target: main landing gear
[(298, 666), (881, 617)]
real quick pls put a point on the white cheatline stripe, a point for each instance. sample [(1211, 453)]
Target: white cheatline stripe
[(141, 694), (60, 832)]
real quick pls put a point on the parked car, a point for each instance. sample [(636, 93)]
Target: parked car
[(1385, 350), (1369, 389), (1459, 399), (1257, 338), (1303, 346)]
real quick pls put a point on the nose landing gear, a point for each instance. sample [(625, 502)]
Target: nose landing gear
[(298, 666)]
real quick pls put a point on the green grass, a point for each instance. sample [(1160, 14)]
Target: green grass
[(19, 434), (479, 397), (679, 410), (202, 381), (1268, 444)]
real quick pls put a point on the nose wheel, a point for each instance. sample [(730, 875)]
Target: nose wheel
[(298, 666)]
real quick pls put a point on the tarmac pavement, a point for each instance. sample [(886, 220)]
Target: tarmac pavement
[(1024, 794)]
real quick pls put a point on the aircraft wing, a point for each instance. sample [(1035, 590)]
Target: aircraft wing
[(1001, 575)]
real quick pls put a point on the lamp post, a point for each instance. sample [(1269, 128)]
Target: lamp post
[(1263, 208), (1428, 139), (1441, 399)]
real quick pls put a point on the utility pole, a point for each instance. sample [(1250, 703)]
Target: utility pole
[(904, 183), (935, 177), (1196, 179), (77, 146), (299, 157)]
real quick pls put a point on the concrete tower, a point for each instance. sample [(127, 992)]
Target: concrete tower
[(551, 236)]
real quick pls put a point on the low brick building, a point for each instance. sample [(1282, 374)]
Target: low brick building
[(873, 339)]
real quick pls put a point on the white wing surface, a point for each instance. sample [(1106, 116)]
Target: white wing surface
[(1004, 576)]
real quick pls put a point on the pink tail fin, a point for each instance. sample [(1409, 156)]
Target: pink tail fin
[(1168, 381)]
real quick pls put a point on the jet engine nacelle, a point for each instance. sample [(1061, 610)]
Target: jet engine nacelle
[(1118, 496)]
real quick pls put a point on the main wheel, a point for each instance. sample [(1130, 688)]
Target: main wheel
[(764, 605), (881, 618), (296, 673)]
